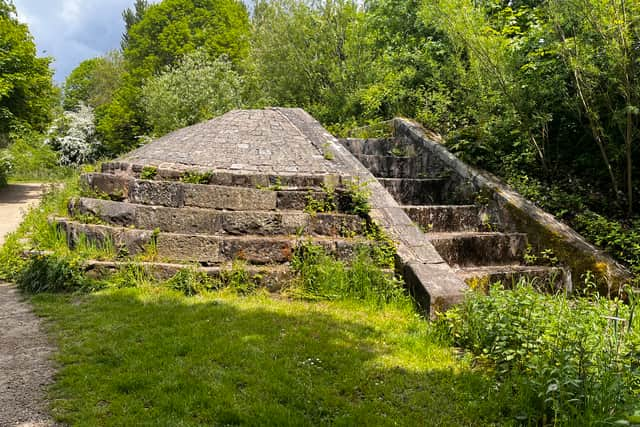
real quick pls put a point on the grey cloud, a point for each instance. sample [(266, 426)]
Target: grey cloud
[(73, 30)]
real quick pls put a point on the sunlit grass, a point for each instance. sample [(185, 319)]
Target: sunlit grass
[(152, 356)]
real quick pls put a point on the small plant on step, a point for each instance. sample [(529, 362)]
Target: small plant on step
[(384, 251), (399, 151), (150, 252), (148, 172), (277, 184), (325, 203), (196, 177), (326, 151), (238, 279), (529, 256), (357, 195)]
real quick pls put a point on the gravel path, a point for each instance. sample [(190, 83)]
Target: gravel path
[(25, 366)]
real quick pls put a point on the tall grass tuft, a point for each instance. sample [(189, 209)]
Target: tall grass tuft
[(319, 276)]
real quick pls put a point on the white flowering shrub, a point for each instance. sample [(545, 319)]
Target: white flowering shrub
[(74, 137), (5, 167), (196, 89)]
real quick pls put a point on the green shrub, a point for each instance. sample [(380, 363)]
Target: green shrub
[(5, 167), (52, 273), (149, 172), (196, 177), (556, 360), (33, 160)]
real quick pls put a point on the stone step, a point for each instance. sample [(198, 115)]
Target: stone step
[(436, 218), (415, 191), (389, 166), (201, 248), (237, 178), (546, 278), (378, 147), (271, 277), (207, 221), (464, 249), (402, 166), (178, 194)]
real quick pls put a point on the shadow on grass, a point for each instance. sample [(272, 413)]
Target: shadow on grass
[(132, 359)]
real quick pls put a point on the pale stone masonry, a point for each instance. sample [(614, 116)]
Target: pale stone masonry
[(259, 141)]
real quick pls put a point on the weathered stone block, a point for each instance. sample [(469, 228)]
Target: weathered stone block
[(433, 286), (230, 198), (196, 248), (163, 193)]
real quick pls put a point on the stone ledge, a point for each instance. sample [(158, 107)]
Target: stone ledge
[(178, 194), (202, 248), (218, 222)]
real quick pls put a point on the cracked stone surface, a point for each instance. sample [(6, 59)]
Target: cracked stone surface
[(266, 141)]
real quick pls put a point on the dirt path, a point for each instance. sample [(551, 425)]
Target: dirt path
[(25, 368)]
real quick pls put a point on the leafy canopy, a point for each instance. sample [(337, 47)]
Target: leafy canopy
[(172, 28), (26, 89), (195, 89)]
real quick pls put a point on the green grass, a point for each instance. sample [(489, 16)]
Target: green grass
[(152, 356)]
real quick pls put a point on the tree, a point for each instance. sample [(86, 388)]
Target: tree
[(311, 55), (132, 17), (26, 89), (598, 41), (94, 81), (193, 90), (172, 28)]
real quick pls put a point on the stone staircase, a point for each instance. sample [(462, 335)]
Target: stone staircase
[(464, 231), (166, 224)]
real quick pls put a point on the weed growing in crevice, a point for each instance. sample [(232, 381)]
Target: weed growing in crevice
[(196, 177), (149, 172), (383, 252), (357, 198), (326, 151), (325, 203)]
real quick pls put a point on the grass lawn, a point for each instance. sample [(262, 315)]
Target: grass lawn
[(151, 356)]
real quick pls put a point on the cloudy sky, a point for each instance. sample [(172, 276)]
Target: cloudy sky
[(73, 30)]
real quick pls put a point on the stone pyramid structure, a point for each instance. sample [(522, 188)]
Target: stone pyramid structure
[(238, 187)]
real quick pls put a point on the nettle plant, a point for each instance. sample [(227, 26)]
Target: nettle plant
[(74, 137)]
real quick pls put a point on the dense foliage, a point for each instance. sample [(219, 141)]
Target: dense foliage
[(558, 361), (193, 90), (26, 90)]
